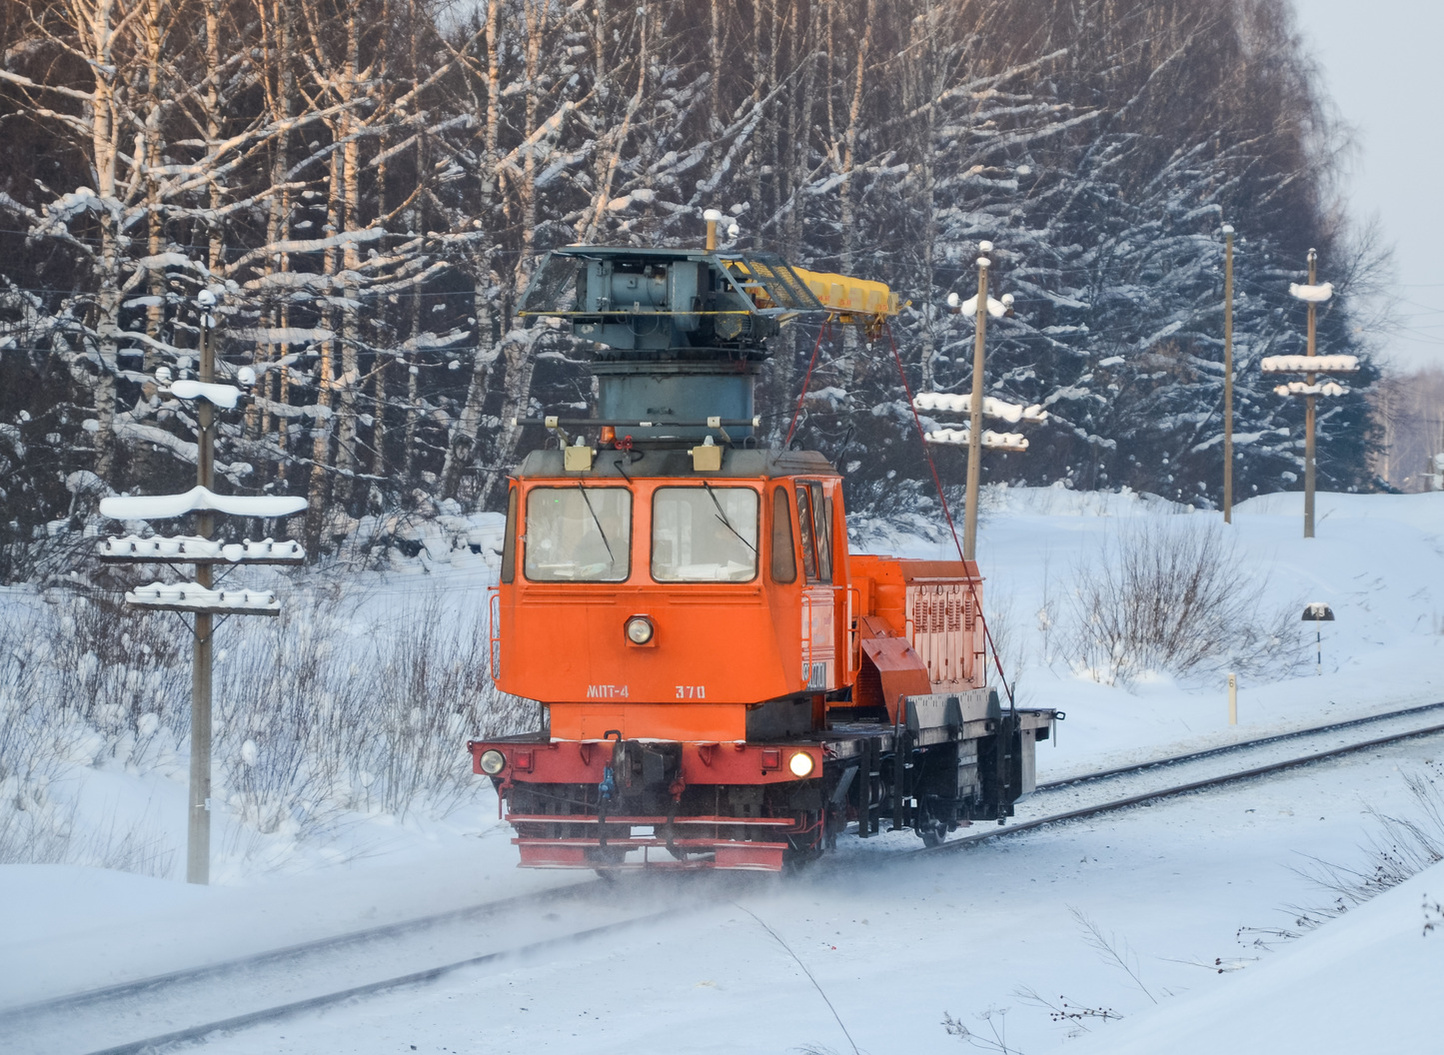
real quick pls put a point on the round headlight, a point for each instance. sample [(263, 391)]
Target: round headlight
[(801, 764), (639, 630), (492, 762)]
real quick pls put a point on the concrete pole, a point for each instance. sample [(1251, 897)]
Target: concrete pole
[(975, 416), (1227, 374), (1309, 415), (198, 842)]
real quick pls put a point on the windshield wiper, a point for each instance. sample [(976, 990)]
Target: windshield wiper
[(612, 557), (723, 517)]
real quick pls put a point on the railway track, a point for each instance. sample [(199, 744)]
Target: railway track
[(185, 1006), (161, 1011), (1106, 791), (1405, 714)]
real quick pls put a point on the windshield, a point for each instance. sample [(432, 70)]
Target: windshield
[(578, 534), (704, 534)]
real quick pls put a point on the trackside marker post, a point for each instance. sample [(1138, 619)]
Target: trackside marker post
[(1233, 699), (1318, 612)]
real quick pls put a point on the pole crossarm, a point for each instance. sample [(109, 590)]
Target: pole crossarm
[(993, 441), (193, 549), (1300, 388), (192, 597), (199, 499), (1311, 293), (224, 396), (1310, 364), (992, 407)]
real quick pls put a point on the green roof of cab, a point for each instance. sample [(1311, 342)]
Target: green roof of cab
[(677, 462)]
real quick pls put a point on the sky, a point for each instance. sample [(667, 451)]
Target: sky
[(1380, 65)]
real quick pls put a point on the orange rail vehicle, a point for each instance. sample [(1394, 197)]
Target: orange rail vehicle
[(725, 685)]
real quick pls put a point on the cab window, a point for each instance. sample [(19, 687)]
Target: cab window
[(814, 520), (784, 552), (508, 546), (704, 534), (578, 534)]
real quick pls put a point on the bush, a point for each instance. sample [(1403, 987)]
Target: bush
[(1174, 598), (336, 706), (319, 711)]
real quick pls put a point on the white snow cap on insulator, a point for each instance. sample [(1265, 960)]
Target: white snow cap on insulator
[(996, 308), (1008, 441), (196, 598), (1011, 441), (194, 547), (137, 548), (993, 408), (1298, 388), (197, 499), (1309, 364), (713, 215), (1312, 294), (985, 247), (223, 396)]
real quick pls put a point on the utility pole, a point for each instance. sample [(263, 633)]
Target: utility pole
[(1309, 379), (975, 413), (199, 598), (198, 832), (1227, 374), (1310, 365), (978, 405)]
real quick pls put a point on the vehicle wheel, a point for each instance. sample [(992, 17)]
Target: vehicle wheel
[(932, 832), (607, 861)]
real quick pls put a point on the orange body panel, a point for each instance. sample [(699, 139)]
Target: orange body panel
[(567, 643), (658, 721), (718, 646), (935, 605)]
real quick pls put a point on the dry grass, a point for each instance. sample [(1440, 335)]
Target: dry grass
[(330, 710), (1173, 598)]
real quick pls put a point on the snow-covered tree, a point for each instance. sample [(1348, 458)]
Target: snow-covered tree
[(370, 182)]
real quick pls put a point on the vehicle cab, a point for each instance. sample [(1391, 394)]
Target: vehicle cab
[(641, 594)]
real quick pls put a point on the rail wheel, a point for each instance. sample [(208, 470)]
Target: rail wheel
[(808, 845), (607, 862), (933, 830)]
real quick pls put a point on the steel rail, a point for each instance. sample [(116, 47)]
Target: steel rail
[(969, 841), (262, 959), (1229, 748), (1241, 745), (151, 1045)]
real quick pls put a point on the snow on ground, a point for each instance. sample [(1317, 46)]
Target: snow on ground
[(897, 945)]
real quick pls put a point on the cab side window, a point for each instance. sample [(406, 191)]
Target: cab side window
[(508, 547), (814, 518), (784, 553)]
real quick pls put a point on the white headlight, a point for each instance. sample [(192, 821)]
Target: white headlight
[(639, 630), (492, 762), (801, 764)]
